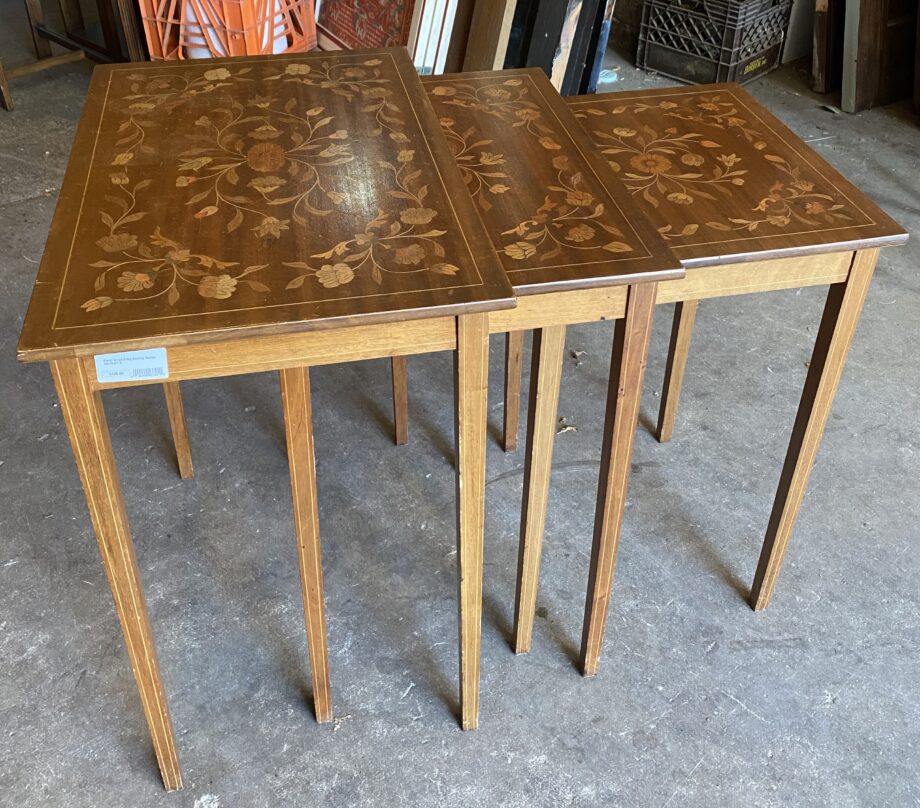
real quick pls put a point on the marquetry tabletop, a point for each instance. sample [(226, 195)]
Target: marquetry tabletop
[(257, 195), (556, 216), (723, 180)]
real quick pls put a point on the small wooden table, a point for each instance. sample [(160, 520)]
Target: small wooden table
[(747, 207), (268, 213), (562, 227)]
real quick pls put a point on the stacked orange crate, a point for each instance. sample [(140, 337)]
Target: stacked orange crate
[(194, 29)]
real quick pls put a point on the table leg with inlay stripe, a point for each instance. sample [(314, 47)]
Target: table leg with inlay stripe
[(514, 358), (545, 378), (84, 416), (179, 428), (298, 423), (838, 324), (400, 379), (624, 392), (471, 387), (678, 351)]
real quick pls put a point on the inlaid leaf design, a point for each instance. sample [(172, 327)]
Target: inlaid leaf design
[(670, 167)]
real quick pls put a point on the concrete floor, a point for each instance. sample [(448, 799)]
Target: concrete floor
[(700, 702)]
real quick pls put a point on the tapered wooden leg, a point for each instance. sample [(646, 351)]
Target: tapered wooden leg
[(400, 399), (545, 375), (179, 429), (841, 314), (92, 448), (471, 372), (627, 367), (681, 333), (298, 421), (514, 356)]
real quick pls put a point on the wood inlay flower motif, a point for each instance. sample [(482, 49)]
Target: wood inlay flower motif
[(261, 162), (481, 170), (508, 100), (165, 92), (398, 242), (362, 80), (569, 218), (247, 163), (671, 167), (715, 110), (791, 200), (158, 267)]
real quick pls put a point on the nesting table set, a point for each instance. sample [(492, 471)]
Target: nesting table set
[(276, 213)]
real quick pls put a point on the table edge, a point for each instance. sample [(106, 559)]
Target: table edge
[(32, 355), (893, 240), (627, 279)]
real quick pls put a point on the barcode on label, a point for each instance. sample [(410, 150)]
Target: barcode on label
[(147, 373), (130, 366)]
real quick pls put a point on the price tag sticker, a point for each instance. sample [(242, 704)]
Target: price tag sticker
[(132, 366)]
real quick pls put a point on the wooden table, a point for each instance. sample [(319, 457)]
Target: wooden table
[(268, 213), (562, 228), (573, 252), (747, 207)]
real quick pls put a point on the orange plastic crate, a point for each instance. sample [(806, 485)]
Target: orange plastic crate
[(195, 29)]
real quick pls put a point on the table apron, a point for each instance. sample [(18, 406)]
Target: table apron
[(267, 353), (757, 276), (609, 303)]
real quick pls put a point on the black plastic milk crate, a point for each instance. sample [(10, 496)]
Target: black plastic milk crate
[(703, 41)]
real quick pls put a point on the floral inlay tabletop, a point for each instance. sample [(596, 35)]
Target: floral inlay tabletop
[(554, 212), (719, 176), (257, 192)]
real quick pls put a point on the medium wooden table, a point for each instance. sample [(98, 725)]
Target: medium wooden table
[(747, 207), (268, 213), (561, 226), (573, 252)]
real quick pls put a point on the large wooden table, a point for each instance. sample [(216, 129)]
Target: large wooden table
[(574, 252), (261, 214), (747, 207)]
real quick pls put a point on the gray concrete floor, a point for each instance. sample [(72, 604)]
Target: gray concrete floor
[(700, 702)]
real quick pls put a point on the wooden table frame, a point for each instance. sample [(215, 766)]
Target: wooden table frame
[(547, 315), (582, 287), (848, 275), (845, 266), (291, 355)]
